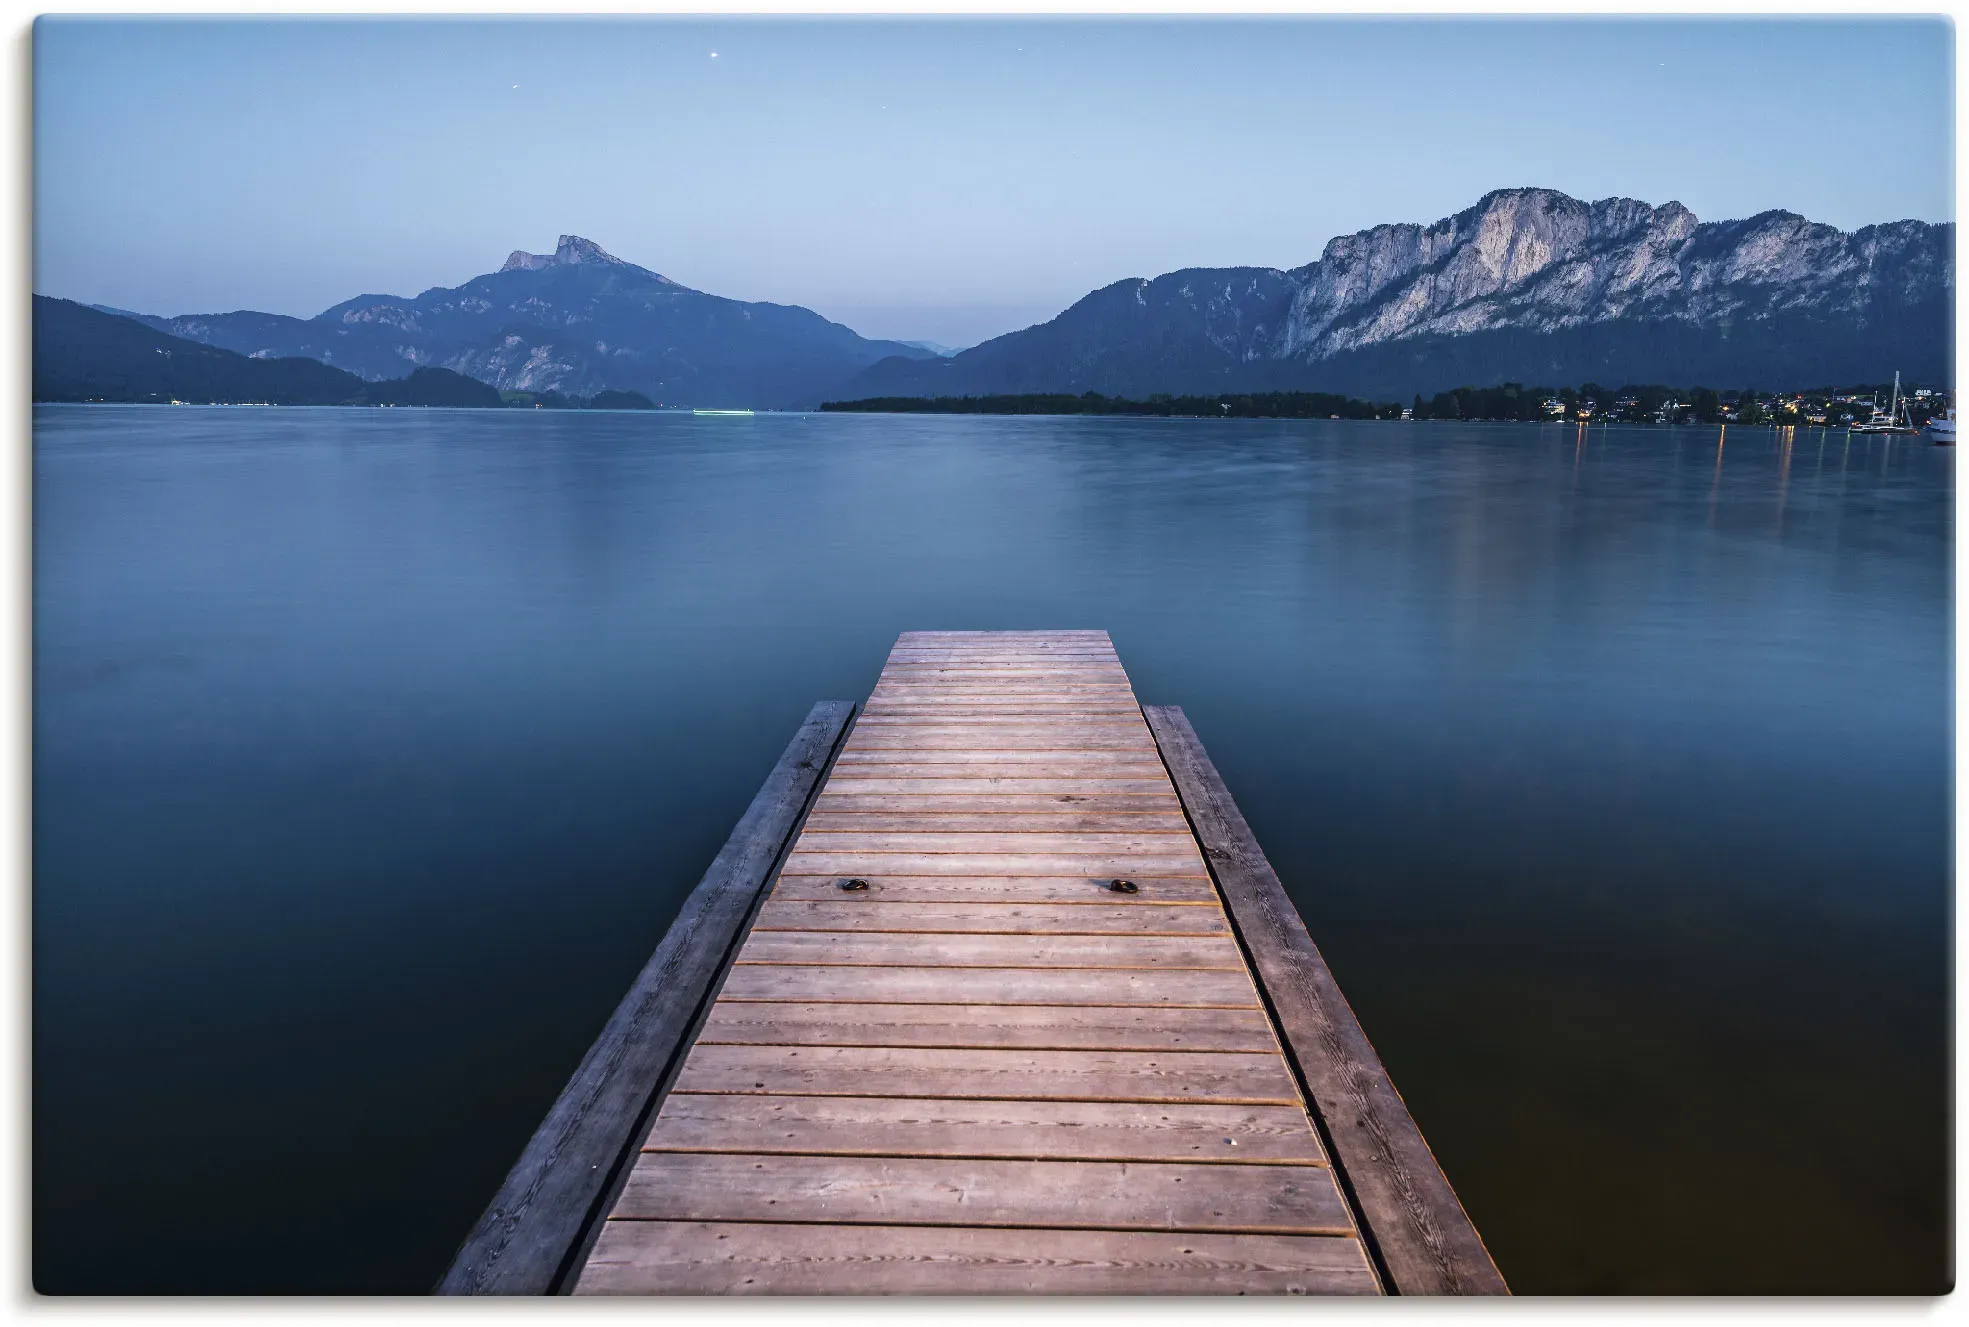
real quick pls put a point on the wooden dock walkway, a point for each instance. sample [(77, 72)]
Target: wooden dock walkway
[(996, 1025)]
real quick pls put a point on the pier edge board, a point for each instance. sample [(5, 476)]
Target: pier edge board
[(1418, 1230), (532, 1235)]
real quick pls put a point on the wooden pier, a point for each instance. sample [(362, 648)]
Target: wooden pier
[(992, 991)]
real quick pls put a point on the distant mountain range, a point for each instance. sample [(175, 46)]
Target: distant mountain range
[(577, 321), (1529, 285), (88, 355), (85, 354)]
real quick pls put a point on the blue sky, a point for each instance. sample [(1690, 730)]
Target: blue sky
[(933, 178)]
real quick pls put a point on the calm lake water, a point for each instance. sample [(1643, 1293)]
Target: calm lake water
[(374, 750)]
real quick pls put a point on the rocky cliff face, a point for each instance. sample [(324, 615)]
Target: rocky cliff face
[(1616, 288), (571, 251), (577, 321)]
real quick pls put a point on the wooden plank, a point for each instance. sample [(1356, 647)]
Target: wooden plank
[(1155, 891), (1109, 714), (988, 724), (869, 912), (1005, 648), (917, 661), (1104, 695), (819, 862), (1050, 640), (1109, 1195), (1012, 633), (919, 700), (1060, 767), (690, 1258), (906, 653), (839, 803), (1003, 689), (990, 707), (872, 780), (1423, 1236), (1103, 764), (1033, 1027), (893, 949), (999, 712), (993, 723), (1228, 1077), (1009, 670), (1080, 778), (987, 782), (1042, 738), (1070, 669), (524, 1242), (1119, 987), (1147, 844), (1106, 764), (941, 1126), (930, 821)]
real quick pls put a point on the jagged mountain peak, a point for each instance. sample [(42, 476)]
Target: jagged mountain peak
[(1511, 287), (578, 321), (569, 251)]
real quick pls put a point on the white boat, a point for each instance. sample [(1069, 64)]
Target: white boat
[(1941, 429), (1894, 420)]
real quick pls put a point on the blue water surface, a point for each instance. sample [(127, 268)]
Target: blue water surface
[(374, 751)]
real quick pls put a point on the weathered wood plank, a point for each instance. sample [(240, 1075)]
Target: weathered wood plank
[(684, 1258), (708, 1186), (1108, 715), (991, 777), (1065, 769), (1102, 764), (1033, 1027), (1119, 987), (905, 780), (1131, 865), (943, 1126), (1023, 711), (1424, 1237), (992, 633), (1103, 696), (1056, 673), (833, 803), (1010, 689), (932, 821), (1228, 1077), (1104, 669), (523, 1243), (1090, 843), (982, 724), (1106, 763), (891, 949), (1026, 649), (1025, 658), (1033, 708), (1043, 738), (868, 911), (820, 862), (1155, 891)]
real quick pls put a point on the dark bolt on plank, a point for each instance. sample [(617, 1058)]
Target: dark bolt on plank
[(1425, 1241), (539, 1220)]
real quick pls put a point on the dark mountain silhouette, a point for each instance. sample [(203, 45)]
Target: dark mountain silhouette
[(578, 322), (84, 354)]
